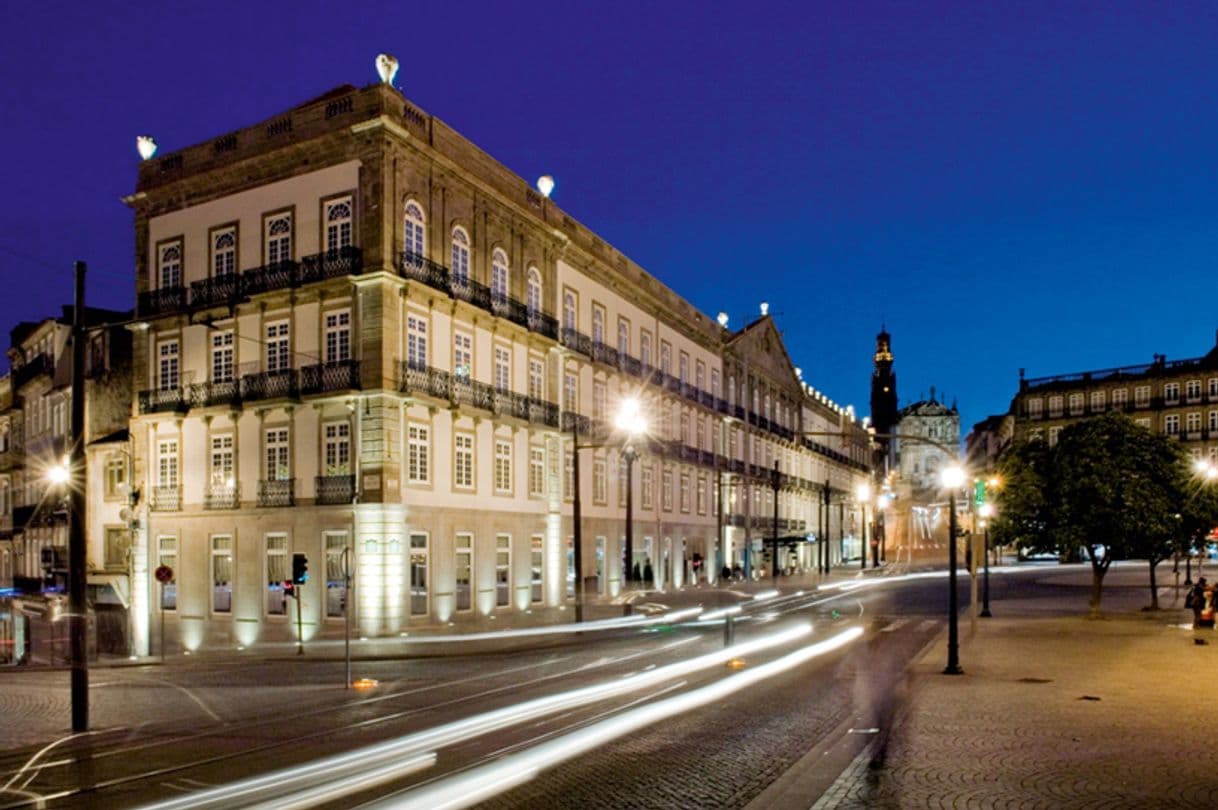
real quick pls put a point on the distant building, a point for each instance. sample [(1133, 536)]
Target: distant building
[(919, 462), (1176, 398), (883, 399), (987, 440)]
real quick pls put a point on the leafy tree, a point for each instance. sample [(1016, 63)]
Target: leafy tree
[(1109, 487), (1198, 512)]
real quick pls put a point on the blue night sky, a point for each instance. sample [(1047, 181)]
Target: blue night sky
[(1026, 185)]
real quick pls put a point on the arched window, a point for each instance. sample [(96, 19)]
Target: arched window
[(499, 276), (568, 311), (338, 225), (413, 243), (534, 302), (460, 268)]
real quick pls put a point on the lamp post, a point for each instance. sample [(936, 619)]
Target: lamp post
[(776, 483), (630, 421), (953, 479), (863, 494), (986, 511)]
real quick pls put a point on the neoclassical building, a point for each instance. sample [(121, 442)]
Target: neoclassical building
[(365, 340)]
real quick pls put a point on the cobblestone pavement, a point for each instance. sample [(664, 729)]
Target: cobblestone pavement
[(1054, 711)]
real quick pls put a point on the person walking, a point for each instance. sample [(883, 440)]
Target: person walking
[(1196, 600)]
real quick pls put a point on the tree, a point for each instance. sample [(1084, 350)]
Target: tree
[(1198, 512), (1023, 519)]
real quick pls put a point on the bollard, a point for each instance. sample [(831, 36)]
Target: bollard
[(729, 631)]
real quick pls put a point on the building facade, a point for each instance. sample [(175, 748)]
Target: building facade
[(366, 341), (1173, 397)]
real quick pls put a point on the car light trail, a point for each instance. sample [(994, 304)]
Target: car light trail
[(557, 629), (340, 767), (720, 614), (478, 784)]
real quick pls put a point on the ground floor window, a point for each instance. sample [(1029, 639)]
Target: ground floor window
[(537, 566), (503, 570), (222, 574), (276, 573), (465, 571), (167, 555), (336, 573), (418, 575)]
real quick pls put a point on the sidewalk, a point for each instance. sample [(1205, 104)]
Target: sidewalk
[(1054, 710)]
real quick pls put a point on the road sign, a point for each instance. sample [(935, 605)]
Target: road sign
[(163, 574), (979, 492)]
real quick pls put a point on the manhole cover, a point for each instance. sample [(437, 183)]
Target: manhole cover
[(1036, 680)]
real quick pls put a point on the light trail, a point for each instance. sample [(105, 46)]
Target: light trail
[(559, 629), (480, 783), (338, 768)]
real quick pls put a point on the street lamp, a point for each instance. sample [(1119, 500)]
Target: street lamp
[(863, 494), (631, 422), (986, 511), (881, 523), (952, 478)]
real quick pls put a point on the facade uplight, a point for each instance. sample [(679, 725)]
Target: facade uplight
[(386, 68), (545, 184), (146, 146)]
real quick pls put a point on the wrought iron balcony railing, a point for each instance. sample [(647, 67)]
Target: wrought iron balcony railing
[(279, 384), (163, 301), (221, 496), (276, 276), (277, 492), (339, 375), (218, 291), (217, 392), (165, 499), (160, 400), (335, 489), (346, 261)]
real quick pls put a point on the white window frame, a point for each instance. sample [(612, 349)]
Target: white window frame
[(500, 276), (338, 335), (339, 216), (223, 353), (463, 355), (418, 453), (277, 453), (169, 265), (224, 252), (277, 238), (463, 460), (461, 257), (416, 341), (169, 364), (414, 230), (278, 337), (336, 448), (503, 466)]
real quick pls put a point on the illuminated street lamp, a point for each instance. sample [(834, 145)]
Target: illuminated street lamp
[(862, 494), (631, 422), (986, 511), (952, 478)]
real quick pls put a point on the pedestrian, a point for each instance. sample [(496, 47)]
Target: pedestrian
[(1196, 601), (1207, 605)]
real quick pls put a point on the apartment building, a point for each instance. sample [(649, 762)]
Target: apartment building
[(366, 341), (1174, 397)]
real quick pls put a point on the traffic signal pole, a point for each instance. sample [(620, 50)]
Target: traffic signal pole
[(77, 605)]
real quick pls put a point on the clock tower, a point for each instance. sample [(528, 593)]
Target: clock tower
[(883, 394)]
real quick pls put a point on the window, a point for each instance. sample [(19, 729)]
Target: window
[(277, 235), (499, 276), (338, 224), (1213, 421), (276, 573), (623, 337), (503, 369), (700, 375), (1213, 386), (598, 324), (1141, 396), (665, 357), (222, 574), (1171, 392), (684, 428), (570, 391), (683, 368), (647, 481), (465, 570), (224, 253), (1076, 404), (645, 348), (337, 448), (1192, 423), (622, 483), (600, 481), (167, 555), (537, 471), (701, 496), (684, 492), (278, 347), (503, 466), (463, 355), (1055, 405), (222, 463), (170, 265), (715, 383), (569, 320), (666, 490), (277, 455), (1120, 397), (167, 377), (568, 479), (416, 341), (1192, 389), (503, 570), (118, 542), (460, 257), (463, 460), (534, 293), (167, 463), (116, 477), (599, 398), (1143, 422), (701, 434), (338, 336), (537, 378), (336, 573), (418, 575), (222, 356), (413, 240), (1097, 401), (536, 566), (417, 454), (1171, 424)]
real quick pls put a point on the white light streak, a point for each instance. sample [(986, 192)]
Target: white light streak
[(637, 620)]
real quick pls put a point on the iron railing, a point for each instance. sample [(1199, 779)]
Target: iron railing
[(277, 492), (163, 301), (339, 375), (221, 496), (283, 383), (335, 489), (165, 499), (216, 392), (160, 400)]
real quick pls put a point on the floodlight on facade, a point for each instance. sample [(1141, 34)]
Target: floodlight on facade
[(146, 146), (545, 184), (386, 68)]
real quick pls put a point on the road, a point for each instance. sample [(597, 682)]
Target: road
[(465, 724)]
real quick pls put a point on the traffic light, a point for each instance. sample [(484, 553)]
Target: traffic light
[(300, 569)]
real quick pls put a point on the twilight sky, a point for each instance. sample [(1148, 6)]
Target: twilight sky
[(1005, 185)]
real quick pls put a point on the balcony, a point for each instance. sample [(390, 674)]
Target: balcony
[(221, 496), (165, 499), (280, 384), (576, 340), (220, 392), (164, 301), (162, 400), (415, 267), (213, 292), (347, 261), (335, 489), (269, 277), (340, 375), (277, 492)]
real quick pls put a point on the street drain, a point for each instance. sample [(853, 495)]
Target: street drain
[(1036, 680), (1088, 697)]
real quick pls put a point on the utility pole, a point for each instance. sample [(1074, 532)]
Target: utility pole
[(577, 534), (776, 482), (77, 605)]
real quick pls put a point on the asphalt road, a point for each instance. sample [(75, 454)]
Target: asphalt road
[(239, 720)]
